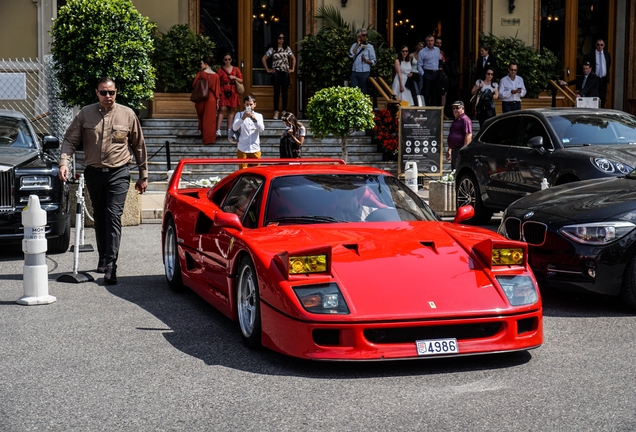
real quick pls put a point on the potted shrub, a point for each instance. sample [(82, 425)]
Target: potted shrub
[(98, 38), (177, 58), (339, 111)]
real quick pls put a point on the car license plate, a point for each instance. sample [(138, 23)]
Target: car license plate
[(436, 346)]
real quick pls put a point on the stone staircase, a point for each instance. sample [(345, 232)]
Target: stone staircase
[(184, 141)]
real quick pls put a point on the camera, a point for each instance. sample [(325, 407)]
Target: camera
[(363, 46)]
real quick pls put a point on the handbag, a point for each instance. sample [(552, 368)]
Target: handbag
[(240, 88), (200, 92)]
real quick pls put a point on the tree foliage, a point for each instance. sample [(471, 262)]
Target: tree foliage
[(339, 111), (536, 68), (325, 58), (177, 58), (98, 38)]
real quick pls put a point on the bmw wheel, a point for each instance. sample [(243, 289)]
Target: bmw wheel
[(468, 193), (248, 304), (171, 263)]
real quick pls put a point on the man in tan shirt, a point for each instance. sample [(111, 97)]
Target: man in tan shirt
[(109, 133)]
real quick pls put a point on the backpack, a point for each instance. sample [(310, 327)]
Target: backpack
[(234, 135)]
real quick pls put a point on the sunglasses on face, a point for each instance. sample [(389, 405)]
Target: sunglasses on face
[(457, 107), (281, 37), (107, 92), (490, 73), (405, 51), (227, 59)]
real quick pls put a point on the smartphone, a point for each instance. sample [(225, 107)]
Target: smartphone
[(248, 110)]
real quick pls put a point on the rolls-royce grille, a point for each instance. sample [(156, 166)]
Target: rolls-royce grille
[(6, 190), (530, 231), (411, 334)]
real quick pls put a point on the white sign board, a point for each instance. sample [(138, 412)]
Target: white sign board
[(587, 102)]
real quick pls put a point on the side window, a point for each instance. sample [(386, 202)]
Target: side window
[(502, 132), (242, 200), (532, 127)]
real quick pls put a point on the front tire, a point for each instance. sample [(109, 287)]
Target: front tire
[(248, 304), (60, 244), (468, 193), (171, 264)]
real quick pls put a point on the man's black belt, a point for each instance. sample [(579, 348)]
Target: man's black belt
[(105, 169)]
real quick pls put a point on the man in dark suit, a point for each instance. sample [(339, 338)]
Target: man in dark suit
[(587, 85), (600, 61), (485, 61)]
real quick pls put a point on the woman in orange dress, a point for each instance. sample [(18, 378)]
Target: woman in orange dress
[(206, 110), (230, 99)]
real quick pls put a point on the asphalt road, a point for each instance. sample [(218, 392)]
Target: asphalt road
[(138, 357)]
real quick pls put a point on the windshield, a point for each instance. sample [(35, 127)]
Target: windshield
[(324, 198), (14, 132), (594, 129)]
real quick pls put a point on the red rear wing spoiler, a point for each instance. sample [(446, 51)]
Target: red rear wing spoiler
[(268, 161)]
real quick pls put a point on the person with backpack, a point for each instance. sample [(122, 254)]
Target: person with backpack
[(487, 90)]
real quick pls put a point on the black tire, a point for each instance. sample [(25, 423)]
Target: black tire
[(468, 193), (628, 290), (61, 243), (171, 264), (248, 304)]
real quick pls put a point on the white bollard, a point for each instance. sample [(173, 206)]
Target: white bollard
[(36, 273), (410, 175)]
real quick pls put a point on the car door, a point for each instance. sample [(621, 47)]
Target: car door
[(490, 157), (529, 166), (244, 200)]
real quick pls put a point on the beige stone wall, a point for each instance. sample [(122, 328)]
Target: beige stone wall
[(165, 13), (19, 29), (132, 207), (501, 23)]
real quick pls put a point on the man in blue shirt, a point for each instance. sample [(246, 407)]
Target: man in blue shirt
[(428, 64), (363, 56)]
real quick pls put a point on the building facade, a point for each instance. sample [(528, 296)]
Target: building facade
[(247, 27)]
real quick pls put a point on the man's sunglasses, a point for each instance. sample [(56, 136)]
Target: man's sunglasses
[(107, 92)]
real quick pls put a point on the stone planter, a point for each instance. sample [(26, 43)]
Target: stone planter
[(132, 207), (172, 105), (441, 197)]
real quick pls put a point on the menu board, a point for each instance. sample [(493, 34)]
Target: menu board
[(421, 131)]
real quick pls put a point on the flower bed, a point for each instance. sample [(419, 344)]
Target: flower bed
[(385, 131)]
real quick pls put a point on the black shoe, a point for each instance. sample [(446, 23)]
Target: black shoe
[(101, 265), (110, 275)]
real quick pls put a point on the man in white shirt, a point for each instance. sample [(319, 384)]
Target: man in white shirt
[(511, 90), (363, 56), (251, 125), (600, 62)]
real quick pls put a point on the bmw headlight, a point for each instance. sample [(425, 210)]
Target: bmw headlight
[(35, 182), (597, 233), (519, 290), (609, 166), (322, 298)]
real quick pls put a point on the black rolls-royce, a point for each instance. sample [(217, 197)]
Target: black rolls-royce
[(30, 167)]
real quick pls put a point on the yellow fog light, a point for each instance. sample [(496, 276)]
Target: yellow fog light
[(307, 264), (507, 256)]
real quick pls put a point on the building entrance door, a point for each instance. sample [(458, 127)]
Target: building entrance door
[(246, 29)]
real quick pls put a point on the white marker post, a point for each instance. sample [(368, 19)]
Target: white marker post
[(36, 273), (410, 175)]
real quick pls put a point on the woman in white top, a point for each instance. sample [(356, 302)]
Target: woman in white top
[(402, 73), (488, 91)]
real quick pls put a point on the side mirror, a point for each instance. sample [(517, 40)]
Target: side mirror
[(50, 142), (464, 213), (537, 144), (227, 220)]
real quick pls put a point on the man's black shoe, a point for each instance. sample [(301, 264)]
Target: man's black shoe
[(101, 265), (110, 275)]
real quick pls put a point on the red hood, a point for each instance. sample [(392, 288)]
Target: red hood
[(386, 270)]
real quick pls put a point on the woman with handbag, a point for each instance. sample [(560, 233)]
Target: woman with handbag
[(230, 77), (486, 92), (402, 68), (283, 64), (293, 138), (206, 106)]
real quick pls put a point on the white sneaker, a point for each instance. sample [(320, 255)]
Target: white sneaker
[(218, 133)]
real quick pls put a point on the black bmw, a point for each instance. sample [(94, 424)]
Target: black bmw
[(581, 235), (28, 167), (514, 152)]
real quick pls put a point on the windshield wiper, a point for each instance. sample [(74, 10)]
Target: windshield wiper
[(306, 219)]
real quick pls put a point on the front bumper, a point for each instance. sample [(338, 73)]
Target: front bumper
[(12, 231), (396, 339)]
